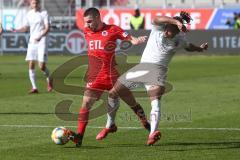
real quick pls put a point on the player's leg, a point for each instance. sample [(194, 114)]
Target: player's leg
[(45, 70), (42, 59), (120, 90), (31, 58), (155, 92), (113, 105), (32, 76), (89, 98)]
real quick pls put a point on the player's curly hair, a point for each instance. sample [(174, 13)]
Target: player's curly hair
[(184, 16)]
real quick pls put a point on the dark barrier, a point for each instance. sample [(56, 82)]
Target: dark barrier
[(220, 42)]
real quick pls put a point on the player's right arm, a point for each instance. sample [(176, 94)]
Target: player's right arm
[(25, 26), (22, 29), (161, 20)]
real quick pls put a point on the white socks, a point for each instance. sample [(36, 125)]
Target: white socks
[(113, 105), (32, 77), (155, 115)]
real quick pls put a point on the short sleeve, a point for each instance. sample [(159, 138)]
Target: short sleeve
[(45, 17), (121, 34), (26, 20)]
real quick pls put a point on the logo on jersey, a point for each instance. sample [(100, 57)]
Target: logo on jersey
[(125, 34), (104, 33), (75, 42)]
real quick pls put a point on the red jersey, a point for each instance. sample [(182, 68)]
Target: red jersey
[(101, 53)]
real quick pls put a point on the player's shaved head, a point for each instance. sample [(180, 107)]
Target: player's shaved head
[(92, 19), (35, 4), (94, 12)]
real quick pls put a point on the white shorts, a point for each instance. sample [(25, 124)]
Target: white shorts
[(37, 52), (144, 74)]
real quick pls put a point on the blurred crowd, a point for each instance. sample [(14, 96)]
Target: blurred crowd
[(103, 3), (96, 3)]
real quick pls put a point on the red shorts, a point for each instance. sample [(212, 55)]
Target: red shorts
[(102, 84)]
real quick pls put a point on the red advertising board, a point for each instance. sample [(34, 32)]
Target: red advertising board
[(121, 17)]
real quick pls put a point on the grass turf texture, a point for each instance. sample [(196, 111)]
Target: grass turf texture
[(205, 95)]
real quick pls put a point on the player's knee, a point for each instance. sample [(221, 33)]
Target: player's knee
[(87, 102), (42, 67), (153, 98), (113, 94)]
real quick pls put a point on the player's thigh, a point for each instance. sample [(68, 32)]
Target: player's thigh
[(32, 52), (42, 53), (90, 96), (155, 91)]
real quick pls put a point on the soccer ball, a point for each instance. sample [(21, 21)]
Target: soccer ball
[(60, 136)]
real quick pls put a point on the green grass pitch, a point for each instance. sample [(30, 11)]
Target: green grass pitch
[(200, 116)]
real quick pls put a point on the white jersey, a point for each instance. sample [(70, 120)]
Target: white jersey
[(160, 50), (37, 20)]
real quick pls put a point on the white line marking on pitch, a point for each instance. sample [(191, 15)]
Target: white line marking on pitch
[(130, 128)]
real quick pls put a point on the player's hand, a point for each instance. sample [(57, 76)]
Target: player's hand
[(204, 46), (12, 30), (38, 39), (138, 40)]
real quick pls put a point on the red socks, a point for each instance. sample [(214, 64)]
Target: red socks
[(82, 120)]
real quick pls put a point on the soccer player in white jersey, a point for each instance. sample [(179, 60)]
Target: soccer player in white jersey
[(38, 22), (167, 36)]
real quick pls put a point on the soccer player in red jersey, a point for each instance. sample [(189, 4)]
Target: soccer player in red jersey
[(102, 74)]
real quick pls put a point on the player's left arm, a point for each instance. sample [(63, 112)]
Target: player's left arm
[(44, 32), (138, 40), (192, 47), (46, 27), (121, 34)]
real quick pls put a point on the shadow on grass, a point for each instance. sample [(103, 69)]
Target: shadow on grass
[(84, 147), (188, 146), (185, 146)]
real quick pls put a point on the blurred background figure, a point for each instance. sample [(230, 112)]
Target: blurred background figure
[(119, 2), (137, 20), (235, 22), (1, 30)]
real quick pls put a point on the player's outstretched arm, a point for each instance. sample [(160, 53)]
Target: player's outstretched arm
[(138, 40), (160, 20), (191, 47), (22, 29)]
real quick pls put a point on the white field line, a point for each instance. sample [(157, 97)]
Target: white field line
[(127, 128)]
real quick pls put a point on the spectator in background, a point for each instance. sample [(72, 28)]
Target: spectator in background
[(119, 2), (137, 20), (235, 22)]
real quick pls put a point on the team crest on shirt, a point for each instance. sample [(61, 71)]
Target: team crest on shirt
[(125, 34), (104, 33)]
